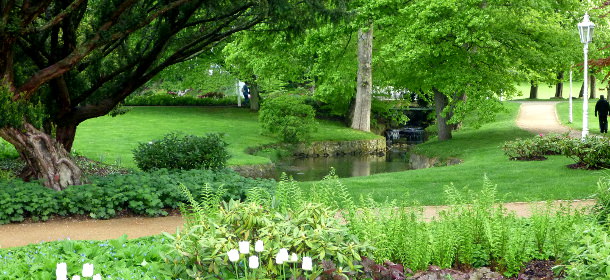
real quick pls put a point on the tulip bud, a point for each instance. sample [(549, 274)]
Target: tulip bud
[(293, 258), (97, 277), (76, 277), (87, 270), (233, 255), (307, 265), (61, 271), (244, 247), (258, 246), (253, 262)]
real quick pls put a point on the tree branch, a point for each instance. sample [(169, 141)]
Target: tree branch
[(56, 20)]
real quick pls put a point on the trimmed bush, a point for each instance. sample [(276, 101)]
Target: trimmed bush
[(176, 151), (536, 148), (148, 194), (288, 117), (187, 100), (591, 153)]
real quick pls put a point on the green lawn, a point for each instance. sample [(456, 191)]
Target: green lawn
[(481, 151), (564, 115), (112, 140), (545, 92)]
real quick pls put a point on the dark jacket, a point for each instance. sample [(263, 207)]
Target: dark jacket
[(602, 107)]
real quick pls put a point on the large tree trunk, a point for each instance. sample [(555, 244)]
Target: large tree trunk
[(559, 86), (64, 135), (46, 159), (582, 89), (533, 90), (440, 103), (592, 86), (364, 89)]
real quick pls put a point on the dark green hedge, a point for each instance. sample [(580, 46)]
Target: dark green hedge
[(170, 100), (140, 193)]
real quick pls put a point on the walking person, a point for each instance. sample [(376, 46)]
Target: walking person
[(246, 93), (603, 108)]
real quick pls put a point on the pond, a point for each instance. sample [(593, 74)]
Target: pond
[(315, 168)]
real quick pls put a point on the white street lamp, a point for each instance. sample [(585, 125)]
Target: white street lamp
[(585, 28), (570, 100)]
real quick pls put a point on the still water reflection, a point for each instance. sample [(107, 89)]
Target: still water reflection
[(312, 169)]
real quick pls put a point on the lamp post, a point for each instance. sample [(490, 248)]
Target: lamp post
[(585, 28), (570, 102)]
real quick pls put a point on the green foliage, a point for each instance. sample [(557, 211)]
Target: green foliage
[(170, 100), (309, 229), (13, 114), (288, 117), (114, 259), (176, 151), (589, 253), (7, 151), (591, 152), (389, 111), (148, 194), (602, 202), (474, 231), (537, 147)]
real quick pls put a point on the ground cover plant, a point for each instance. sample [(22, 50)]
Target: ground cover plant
[(480, 150), (240, 128), (147, 194), (140, 258), (474, 231)]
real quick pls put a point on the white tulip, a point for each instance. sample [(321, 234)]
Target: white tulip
[(307, 265), (244, 247), (282, 256), (258, 246), (253, 262), (75, 277), (233, 255), (61, 271), (97, 277), (293, 258), (87, 270)]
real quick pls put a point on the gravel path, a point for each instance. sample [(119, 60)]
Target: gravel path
[(537, 117), (540, 117)]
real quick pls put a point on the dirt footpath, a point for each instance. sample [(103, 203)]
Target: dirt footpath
[(537, 117), (540, 117), (13, 235)]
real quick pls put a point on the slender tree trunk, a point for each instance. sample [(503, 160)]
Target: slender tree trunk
[(255, 98), (559, 86), (46, 159), (362, 109), (592, 86), (533, 90), (440, 103)]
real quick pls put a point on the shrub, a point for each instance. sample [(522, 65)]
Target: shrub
[(592, 152), (288, 117), (537, 147), (187, 100), (309, 230), (149, 194), (523, 149), (186, 152)]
